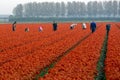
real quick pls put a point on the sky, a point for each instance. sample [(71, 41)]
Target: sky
[(6, 6)]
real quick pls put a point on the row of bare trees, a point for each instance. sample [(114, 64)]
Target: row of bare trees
[(69, 9)]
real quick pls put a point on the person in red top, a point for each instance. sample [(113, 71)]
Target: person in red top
[(40, 29)]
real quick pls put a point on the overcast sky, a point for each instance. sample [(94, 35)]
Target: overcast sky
[(6, 6)]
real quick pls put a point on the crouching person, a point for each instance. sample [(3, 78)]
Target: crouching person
[(72, 26), (40, 29), (27, 29)]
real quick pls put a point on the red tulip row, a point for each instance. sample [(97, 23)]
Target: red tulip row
[(80, 63), (41, 54), (112, 63), (117, 25)]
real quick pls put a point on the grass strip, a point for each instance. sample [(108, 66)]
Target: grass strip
[(100, 65)]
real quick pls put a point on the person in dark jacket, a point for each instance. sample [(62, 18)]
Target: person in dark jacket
[(108, 28), (14, 26), (54, 26), (93, 26)]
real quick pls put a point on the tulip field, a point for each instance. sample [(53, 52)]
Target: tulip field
[(58, 55)]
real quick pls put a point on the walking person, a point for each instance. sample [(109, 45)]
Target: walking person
[(108, 28), (55, 26), (14, 26), (93, 26)]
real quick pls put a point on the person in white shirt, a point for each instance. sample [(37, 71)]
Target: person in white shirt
[(84, 26), (72, 26)]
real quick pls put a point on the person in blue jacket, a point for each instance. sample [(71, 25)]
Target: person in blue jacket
[(108, 28), (93, 26)]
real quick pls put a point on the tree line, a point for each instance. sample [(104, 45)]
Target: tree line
[(69, 9)]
